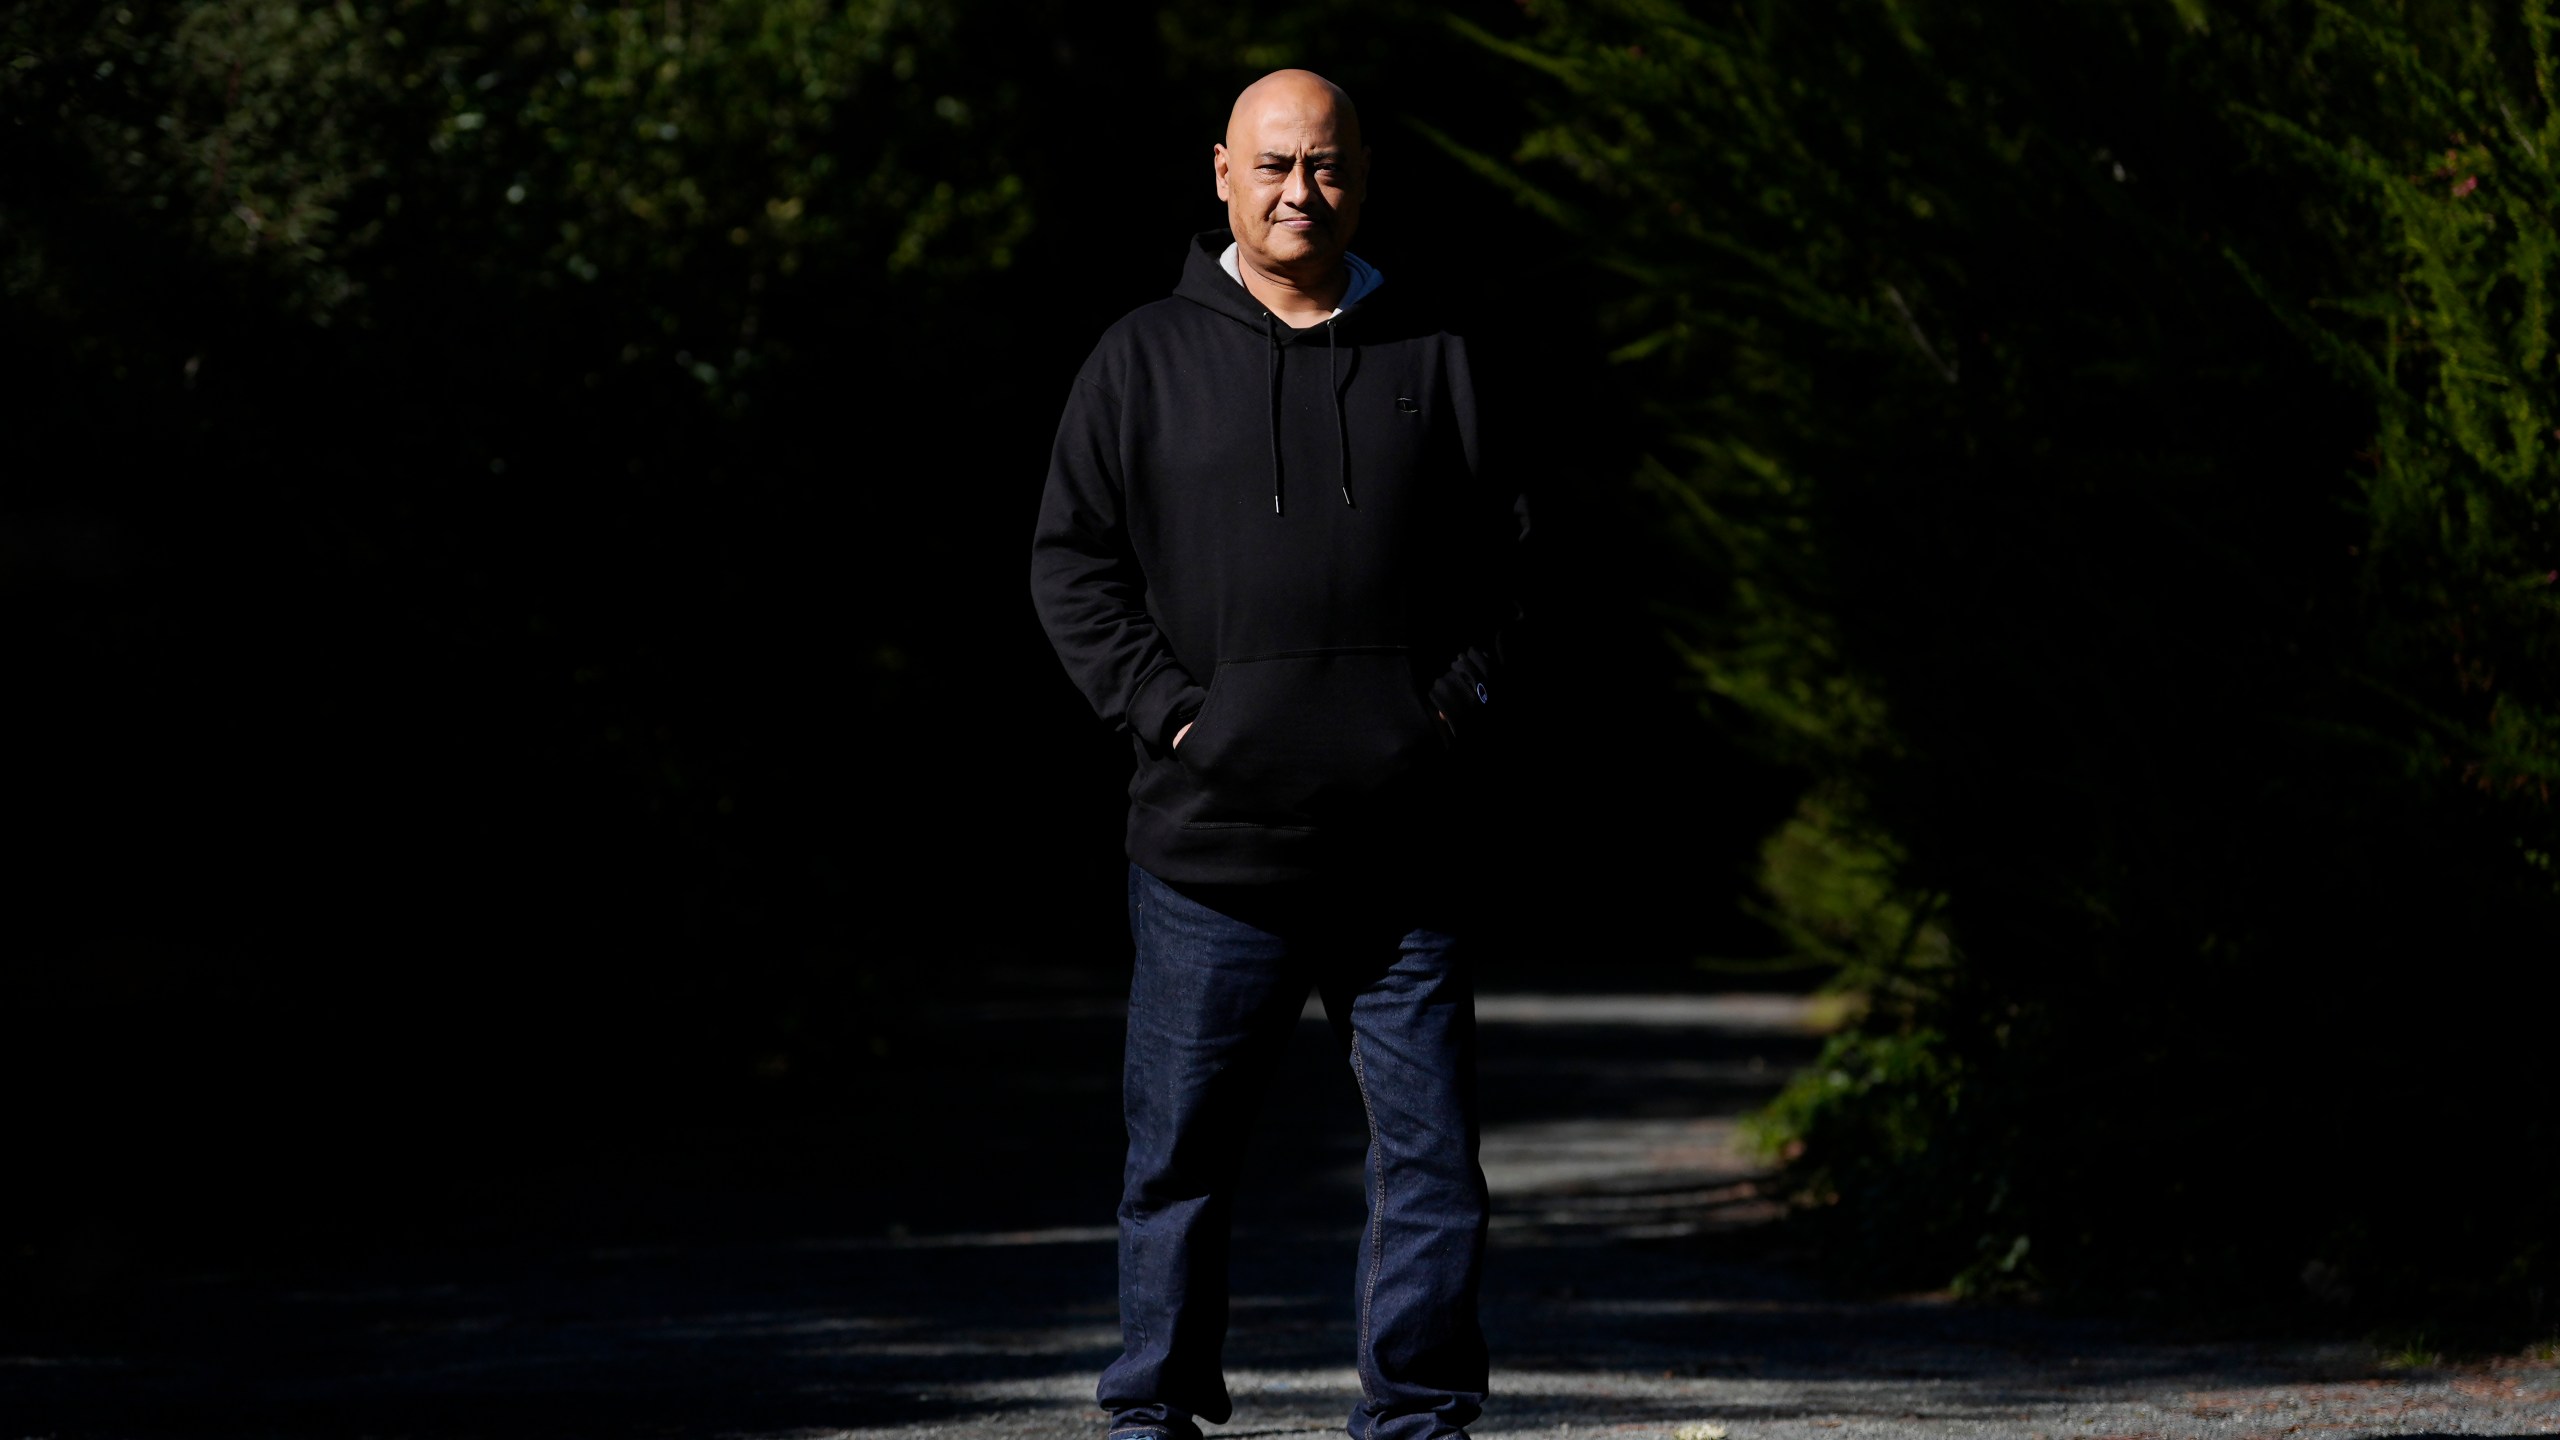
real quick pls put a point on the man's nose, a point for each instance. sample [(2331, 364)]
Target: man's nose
[(1295, 189)]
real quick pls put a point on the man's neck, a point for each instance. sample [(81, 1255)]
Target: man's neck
[(1298, 302)]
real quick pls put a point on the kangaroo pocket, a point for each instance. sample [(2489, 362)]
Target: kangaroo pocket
[(1307, 737)]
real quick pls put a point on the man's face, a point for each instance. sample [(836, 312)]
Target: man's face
[(1293, 173)]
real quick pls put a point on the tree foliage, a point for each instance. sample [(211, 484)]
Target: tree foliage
[(432, 471), (677, 162), (2446, 158), (2113, 442)]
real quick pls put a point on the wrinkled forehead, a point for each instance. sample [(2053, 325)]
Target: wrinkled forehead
[(1294, 121)]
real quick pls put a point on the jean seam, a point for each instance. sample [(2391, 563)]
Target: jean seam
[(1136, 1224), (1377, 1223)]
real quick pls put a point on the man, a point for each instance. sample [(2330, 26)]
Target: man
[(1269, 550)]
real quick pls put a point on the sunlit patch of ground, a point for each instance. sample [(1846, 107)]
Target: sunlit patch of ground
[(953, 1276)]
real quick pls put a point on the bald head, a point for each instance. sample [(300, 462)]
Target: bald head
[(1290, 93), (1293, 172)]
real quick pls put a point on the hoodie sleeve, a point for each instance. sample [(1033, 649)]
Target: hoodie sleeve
[(1086, 584), (1497, 534)]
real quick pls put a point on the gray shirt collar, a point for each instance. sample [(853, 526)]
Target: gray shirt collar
[(1364, 277)]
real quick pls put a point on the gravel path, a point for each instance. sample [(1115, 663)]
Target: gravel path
[(949, 1273)]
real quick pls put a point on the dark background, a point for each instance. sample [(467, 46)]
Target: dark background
[(515, 533), (431, 761)]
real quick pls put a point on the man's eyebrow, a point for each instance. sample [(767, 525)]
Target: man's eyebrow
[(1319, 156)]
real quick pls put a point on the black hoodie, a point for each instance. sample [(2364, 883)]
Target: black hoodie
[(1294, 541)]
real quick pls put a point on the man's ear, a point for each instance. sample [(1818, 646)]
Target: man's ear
[(1218, 166)]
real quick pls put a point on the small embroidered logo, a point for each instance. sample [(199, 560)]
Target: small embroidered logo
[(1407, 405), (1481, 697)]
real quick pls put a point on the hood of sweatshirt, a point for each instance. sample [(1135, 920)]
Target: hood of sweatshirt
[(1210, 278), (1364, 276)]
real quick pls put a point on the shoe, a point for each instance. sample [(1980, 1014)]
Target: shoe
[(1154, 1430)]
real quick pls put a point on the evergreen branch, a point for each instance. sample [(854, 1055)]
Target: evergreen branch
[(1501, 176), (1562, 69), (1911, 326)]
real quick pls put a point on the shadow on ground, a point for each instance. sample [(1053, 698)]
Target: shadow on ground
[(938, 1261)]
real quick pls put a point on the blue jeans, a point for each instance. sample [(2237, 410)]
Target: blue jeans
[(1221, 977)]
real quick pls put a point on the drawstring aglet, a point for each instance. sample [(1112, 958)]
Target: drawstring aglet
[(1341, 436)]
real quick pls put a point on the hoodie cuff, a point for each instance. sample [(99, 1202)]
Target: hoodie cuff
[(1164, 703), (1461, 697)]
